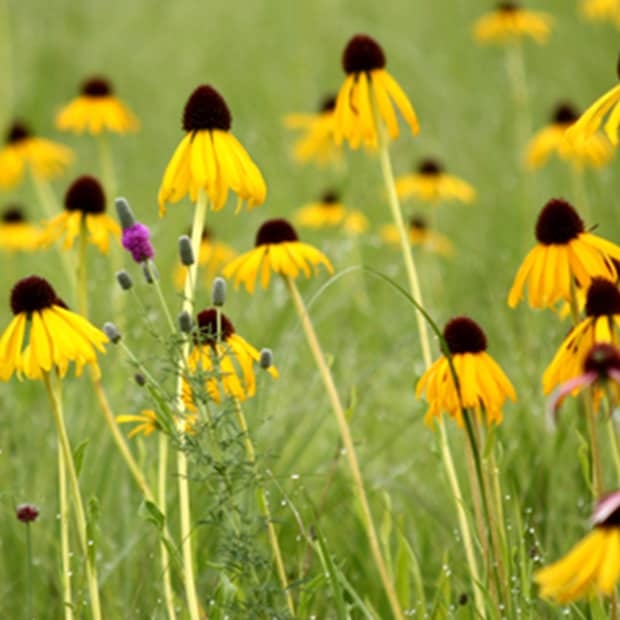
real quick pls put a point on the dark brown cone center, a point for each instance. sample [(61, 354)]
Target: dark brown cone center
[(207, 325), (558, 223), (85, 195), (362, 53), (602, 358), (464, 336), (206, 109), (31, 294), (275, 231), (603, 298), (96, 87)]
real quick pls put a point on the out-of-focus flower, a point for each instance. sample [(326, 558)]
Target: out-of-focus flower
[(420, 234), (16, 233), (510, 23), (329, 212)]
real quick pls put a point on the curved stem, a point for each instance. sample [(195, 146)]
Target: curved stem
[(91, 570), (64, 536), (347, 441)]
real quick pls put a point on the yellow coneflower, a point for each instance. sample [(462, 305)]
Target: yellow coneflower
[(368, 86), (602, 319), (329, 212), (419, 234), (483, 386), (592, 566), (595, 151), (210, 158), (590, 121), (566, 254), (317, 142), (147, 422), (16, 233), (214, 256), (601, 10), (509, 22), (431, 184), (45, 335), (277, 250), (22, 149), (85, 206), (97, 109), (228, 362)]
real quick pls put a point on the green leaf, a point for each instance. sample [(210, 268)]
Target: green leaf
[(78, 456), (151, 513)]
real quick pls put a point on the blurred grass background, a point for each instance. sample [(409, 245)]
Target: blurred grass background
[(269, 59)]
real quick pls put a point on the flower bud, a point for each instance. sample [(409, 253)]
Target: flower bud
[(150, 272), (186, 252), (124, 212), (184, 320), (124, 280), (218, 292), (111, 331), (266, 358), (27, 512), (140, 379)]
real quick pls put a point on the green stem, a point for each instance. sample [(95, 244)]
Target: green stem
[(82, 271), (597, 472), (160, 296), (107, 165), (29, 564), (91, 570), (64, 535), (6, 62), (613, 435), (348, 444)]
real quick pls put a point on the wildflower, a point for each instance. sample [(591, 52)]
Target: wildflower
[(85, 206), (420, 234), (509, 23), (430, 183), (45, 335), (595, 151), (214, 256), (367, 95), (482, 384), (22, 149), (210, 158), (16, 233), (136, 240), (565, 252), (227, 360), (95, 110), (277, 250), (26, 513), (601, 10), (147, 420), (602, 316), (592, 566), (329, 212), (317, 142), (592, 118)]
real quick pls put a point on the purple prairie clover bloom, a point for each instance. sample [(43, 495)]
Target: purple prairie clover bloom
[(136, 239)]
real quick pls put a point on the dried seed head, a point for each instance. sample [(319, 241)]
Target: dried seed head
[(27, 513)]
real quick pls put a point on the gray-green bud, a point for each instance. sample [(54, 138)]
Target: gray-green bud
[(111, 331), (266, 358), (150, 272), (124, 212), (140, 379), (218, 292), (186, 252), (124, 280), (184, 320)]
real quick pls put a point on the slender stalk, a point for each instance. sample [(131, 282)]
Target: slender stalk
[(263, 502), (29, 565), (162, 299), (107, 165), (613, 442), (6, 62), (67, 598), (82, 271), (580, 194), (347, 441), (597, 472), (182, 467), (91, 570)]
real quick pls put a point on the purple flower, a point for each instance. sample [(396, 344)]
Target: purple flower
[(136, 240), (27, 512)]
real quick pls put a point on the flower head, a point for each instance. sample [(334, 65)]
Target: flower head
[(209, 158), (430, 183), (590, 121), (594, 151), (482, 385), (147, 422), (565, 254), (599, 326), (317, 142), (44, 334), (591, 567), (420, 234), (277, 250), (23, 150), (509, 23), (598, 10), (226, 358), (26, 513), (329, 212), (85, 213), (16, 233), (136, 239), (95, 110), (367, 96)]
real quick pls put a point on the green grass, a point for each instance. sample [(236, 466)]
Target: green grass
[(269, 59)]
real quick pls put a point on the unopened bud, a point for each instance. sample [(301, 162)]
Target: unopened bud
[(266, 358), (27, 512), (218, 292), (124, 280), (140, 379), (186, 252), (185, 322), (150, 272), (124, 212), (111, 331)]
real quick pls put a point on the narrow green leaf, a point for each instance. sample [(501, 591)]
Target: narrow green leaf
[(78, 456)]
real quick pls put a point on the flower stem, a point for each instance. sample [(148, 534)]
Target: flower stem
[(263, 503), (347, 442), (160, 296), (184, 504), (82, 281), (29, 564), (597, 472), (107, 165), (67, 598), (91, 570), (613, 442)]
